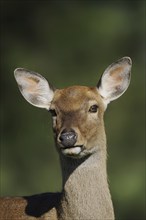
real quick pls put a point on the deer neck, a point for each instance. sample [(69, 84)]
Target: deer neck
[(85, 188)]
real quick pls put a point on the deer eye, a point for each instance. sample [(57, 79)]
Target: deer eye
[(93, 108), (53, 112)]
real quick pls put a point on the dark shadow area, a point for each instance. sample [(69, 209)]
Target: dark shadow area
[(38, 205)]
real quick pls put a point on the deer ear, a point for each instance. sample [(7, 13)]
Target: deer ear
[(115, 80), (34, 88)]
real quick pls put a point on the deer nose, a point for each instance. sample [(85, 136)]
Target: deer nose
[(68, 138)]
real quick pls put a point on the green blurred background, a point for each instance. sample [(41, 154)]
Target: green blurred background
[(72, 42)]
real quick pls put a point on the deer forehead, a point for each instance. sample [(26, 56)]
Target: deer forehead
[(75, 98)]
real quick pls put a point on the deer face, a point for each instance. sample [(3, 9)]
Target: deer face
[(77, 111)]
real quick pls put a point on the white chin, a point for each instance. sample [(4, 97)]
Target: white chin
[(72, 151)]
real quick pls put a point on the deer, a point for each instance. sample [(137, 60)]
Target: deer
[(80, 139)]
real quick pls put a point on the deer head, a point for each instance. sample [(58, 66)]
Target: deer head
[(77, 111)]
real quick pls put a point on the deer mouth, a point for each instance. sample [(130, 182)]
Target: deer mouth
[(72, 151)]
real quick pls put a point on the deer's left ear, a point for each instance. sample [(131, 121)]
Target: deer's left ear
[(115, 80)]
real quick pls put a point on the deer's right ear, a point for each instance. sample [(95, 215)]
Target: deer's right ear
[(34, 88)]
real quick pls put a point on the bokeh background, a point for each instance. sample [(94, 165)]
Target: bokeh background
[(72, 42)]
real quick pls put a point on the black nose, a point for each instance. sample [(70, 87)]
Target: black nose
[(68, 138)]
